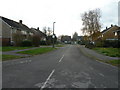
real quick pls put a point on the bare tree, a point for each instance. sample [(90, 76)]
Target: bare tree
[(49, 31), (45, 30), (91, 22)]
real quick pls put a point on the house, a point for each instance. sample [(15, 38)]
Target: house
[(13, 31), (39, 33), (66, 39), (109, 33)]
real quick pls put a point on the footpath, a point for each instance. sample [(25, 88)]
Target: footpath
[(95, 55)]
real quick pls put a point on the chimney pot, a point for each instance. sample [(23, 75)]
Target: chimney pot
[(20, 21), (106, 28)]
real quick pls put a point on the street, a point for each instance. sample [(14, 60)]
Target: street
[(66, 67)]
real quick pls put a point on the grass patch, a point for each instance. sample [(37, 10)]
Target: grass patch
[(59, 45), (9, 57), (112, 52), (4, 49), (114, 62), (37, 51)]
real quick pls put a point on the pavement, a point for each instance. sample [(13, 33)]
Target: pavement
[(66, 67), (95, 55)]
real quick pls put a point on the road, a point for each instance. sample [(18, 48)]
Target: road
[(66, 67)]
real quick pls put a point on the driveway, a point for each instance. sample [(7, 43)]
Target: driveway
[(66, 67)]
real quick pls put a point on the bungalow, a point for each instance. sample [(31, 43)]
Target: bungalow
[(10, 29)]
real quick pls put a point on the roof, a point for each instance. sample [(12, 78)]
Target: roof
[(15, 24), (110, 28), (37, 30)]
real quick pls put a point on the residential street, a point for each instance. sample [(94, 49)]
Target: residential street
[(66, 67)]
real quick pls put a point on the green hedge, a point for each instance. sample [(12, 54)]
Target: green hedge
[(26, 43)]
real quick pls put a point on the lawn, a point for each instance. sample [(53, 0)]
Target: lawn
[(9, 57), (112, 52), (10, 48), (37, 51)]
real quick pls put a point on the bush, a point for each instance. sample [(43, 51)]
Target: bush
[(111, 43), (26, 43), (108, 43), (43, 43), (90, 45)]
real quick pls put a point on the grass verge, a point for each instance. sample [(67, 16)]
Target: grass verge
[(37, 51), (113, 62), (9, 57), (59, 45), (4, 49), (112, 52)]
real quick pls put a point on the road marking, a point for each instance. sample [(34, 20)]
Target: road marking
[(101, 74), (47, 79), (61, 58)]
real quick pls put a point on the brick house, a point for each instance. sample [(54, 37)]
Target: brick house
[(109, 33), (9, 28)]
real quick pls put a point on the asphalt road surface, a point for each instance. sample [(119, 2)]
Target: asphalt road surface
[(66, 67)]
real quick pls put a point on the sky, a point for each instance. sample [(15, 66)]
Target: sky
[(66, 13)]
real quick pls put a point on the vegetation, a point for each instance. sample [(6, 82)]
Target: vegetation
[(9, 57), (10, 48), (113, 52), (37, 51), (26, 43), (91, 22), (59, 45), (114, 62)]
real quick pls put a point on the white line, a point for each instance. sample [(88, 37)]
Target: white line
[(101, 74), (47, 79), (61, 58)]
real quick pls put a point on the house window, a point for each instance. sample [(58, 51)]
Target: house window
[(24, 32)]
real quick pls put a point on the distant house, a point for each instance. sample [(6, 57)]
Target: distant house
[(66, 39), (109, 33), (9, 28), (39, 33)]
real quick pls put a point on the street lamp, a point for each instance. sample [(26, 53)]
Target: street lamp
[(53, 34)]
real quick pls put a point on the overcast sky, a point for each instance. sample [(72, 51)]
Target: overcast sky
[(66, 13)]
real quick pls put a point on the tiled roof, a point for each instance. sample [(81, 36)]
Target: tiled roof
[(15, 24)]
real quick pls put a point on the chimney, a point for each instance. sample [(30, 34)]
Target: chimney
[(111, 25), (37, 28), (106, 28), (20, 21)]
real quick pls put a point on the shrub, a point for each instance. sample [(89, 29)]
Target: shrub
[(111, 43), (90, 45), (26, 43), (43, 43)]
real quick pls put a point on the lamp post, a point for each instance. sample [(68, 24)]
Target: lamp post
[(53, 34)]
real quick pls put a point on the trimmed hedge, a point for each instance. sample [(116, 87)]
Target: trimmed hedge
[(26, 43), (108, 43)]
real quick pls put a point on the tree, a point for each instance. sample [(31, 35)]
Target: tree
[(47, 31), (91, 22), (75, 36)]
